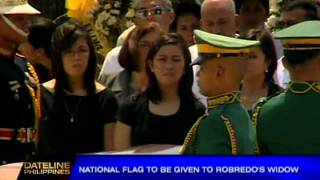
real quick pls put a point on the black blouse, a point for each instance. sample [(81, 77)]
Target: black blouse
[(273, 90), (75, 124), (149, 128)]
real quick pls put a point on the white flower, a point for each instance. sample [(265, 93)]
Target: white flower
[(102, 17), (112, 20), (107, 6), (104, 32), (115, 11), (117, 4), (129, 23), (130, 13), (272, 21)]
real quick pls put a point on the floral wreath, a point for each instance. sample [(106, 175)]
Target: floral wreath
[(104, 19), (275, 12)]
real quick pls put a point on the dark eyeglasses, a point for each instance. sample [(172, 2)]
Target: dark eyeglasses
[(144, 13)]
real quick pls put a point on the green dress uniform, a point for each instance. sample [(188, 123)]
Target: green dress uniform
[(289, 122), (17, 115), (226, 128)]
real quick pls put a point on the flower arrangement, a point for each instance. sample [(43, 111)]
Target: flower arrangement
[(276, 7), (104, 19)]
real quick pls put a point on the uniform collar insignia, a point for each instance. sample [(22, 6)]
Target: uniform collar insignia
[(303, 87), (226, 98)]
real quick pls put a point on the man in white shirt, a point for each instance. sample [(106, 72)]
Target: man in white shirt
[(146, 11), (217, 17)]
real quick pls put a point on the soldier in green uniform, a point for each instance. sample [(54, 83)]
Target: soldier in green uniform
[(17, 115), (289, 122), (226, 127)]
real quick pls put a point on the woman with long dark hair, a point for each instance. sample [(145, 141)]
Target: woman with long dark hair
[(258, 81), (78, 112), (167, 110)]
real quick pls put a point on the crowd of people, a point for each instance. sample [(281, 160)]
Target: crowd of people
[(210, 77)]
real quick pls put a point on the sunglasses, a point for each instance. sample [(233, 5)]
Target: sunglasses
[(158, 11)]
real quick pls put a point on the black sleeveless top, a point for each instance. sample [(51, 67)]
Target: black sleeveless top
[(150, 128), (75, 124)]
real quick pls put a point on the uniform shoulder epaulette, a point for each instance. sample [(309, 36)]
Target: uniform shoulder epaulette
[(192, 132), (231, 131), (257, 108), (256, 113)]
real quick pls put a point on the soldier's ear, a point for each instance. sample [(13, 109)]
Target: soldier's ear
[(220, 71)]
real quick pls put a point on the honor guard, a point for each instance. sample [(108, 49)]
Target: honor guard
[(17, 114), (289, 123), (226, 127)]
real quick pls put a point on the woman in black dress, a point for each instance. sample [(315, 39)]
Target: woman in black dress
[(78, 113), (165, 112)]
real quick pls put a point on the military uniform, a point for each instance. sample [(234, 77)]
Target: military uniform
[(17, 115), (226, 127), (289, 122)]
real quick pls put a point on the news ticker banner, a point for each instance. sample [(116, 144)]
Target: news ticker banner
[(195, 167)]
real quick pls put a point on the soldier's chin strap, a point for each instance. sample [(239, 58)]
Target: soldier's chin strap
[(13, 26)]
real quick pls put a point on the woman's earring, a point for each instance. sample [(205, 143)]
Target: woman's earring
[(266, 71)]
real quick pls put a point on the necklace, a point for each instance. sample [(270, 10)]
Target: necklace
[(75, 109)]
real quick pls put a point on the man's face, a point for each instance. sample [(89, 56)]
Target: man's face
[(292, 17), (218, 20), (153, 11), (15, 28), (252, 15), (207, 79), (186, 24), (20, 21)]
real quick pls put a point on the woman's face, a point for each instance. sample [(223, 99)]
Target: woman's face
[(168, 65), (75, 60), (257, 64), (185, 26), (27, 49), (144, 45)]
